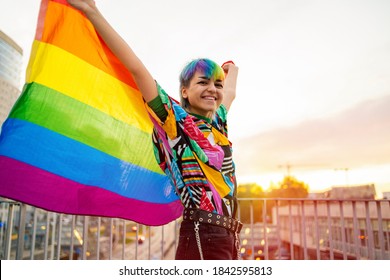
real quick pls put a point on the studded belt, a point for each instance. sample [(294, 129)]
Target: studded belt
[(205, 217)]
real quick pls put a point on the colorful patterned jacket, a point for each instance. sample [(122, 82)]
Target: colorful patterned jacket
[(196, 155)]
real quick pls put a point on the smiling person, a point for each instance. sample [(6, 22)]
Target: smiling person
[(191, 144)]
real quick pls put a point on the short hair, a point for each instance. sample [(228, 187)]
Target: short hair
[(208, 67)]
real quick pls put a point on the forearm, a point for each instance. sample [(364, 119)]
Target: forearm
[(122, 51), (230, 85), (114, 41)]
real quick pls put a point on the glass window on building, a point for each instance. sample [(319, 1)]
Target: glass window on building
[(11, 59)]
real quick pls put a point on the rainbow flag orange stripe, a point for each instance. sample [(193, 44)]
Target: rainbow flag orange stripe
[(78, 140)]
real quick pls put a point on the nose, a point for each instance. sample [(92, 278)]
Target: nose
[(212, 88)]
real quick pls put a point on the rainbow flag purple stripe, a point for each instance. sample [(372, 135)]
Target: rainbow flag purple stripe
[(78, 140)]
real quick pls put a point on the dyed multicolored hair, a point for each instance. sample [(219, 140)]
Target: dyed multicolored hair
[(208, 67)]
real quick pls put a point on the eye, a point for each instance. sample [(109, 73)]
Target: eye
[(202, 83), (219, 85)]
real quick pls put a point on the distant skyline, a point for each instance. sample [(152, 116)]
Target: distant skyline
[(313, 83)]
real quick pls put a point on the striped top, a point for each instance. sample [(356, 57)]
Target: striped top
[(196, 155)]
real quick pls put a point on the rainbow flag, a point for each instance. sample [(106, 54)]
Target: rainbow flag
[(78, 140)]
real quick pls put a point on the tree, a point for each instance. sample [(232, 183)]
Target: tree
[(290, 187), (250, 190)]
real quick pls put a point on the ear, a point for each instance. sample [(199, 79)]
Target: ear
[(184, 92)]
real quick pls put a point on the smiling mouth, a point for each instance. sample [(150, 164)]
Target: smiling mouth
[(210, 98)]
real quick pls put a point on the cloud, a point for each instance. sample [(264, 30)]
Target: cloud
[(357, 137)]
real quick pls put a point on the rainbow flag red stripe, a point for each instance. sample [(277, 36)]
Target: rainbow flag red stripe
[(78, 140)]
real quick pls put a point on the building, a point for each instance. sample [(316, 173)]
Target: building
[(352, 192), (11, 60)]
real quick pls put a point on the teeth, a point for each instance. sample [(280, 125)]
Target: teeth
[(209, 98)]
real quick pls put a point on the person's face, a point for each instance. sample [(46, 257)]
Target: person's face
[(203, 94)]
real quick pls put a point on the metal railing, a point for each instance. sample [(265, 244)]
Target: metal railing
[(273, 229)]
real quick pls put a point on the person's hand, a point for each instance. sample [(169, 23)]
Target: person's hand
[(82, 5), (226, 66)]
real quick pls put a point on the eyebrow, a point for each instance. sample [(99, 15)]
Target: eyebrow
[(205, 78)]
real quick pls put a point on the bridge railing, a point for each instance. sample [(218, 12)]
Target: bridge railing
[(273, 229)]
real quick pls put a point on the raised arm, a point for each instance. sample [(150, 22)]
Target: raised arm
[(229, 88), (119, 47)]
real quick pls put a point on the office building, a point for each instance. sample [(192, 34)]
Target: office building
[(11, 56)]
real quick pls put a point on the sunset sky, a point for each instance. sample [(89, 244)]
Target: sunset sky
[(314, 84)]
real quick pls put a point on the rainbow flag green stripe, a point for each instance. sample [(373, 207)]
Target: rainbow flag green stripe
[(39, 105)]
